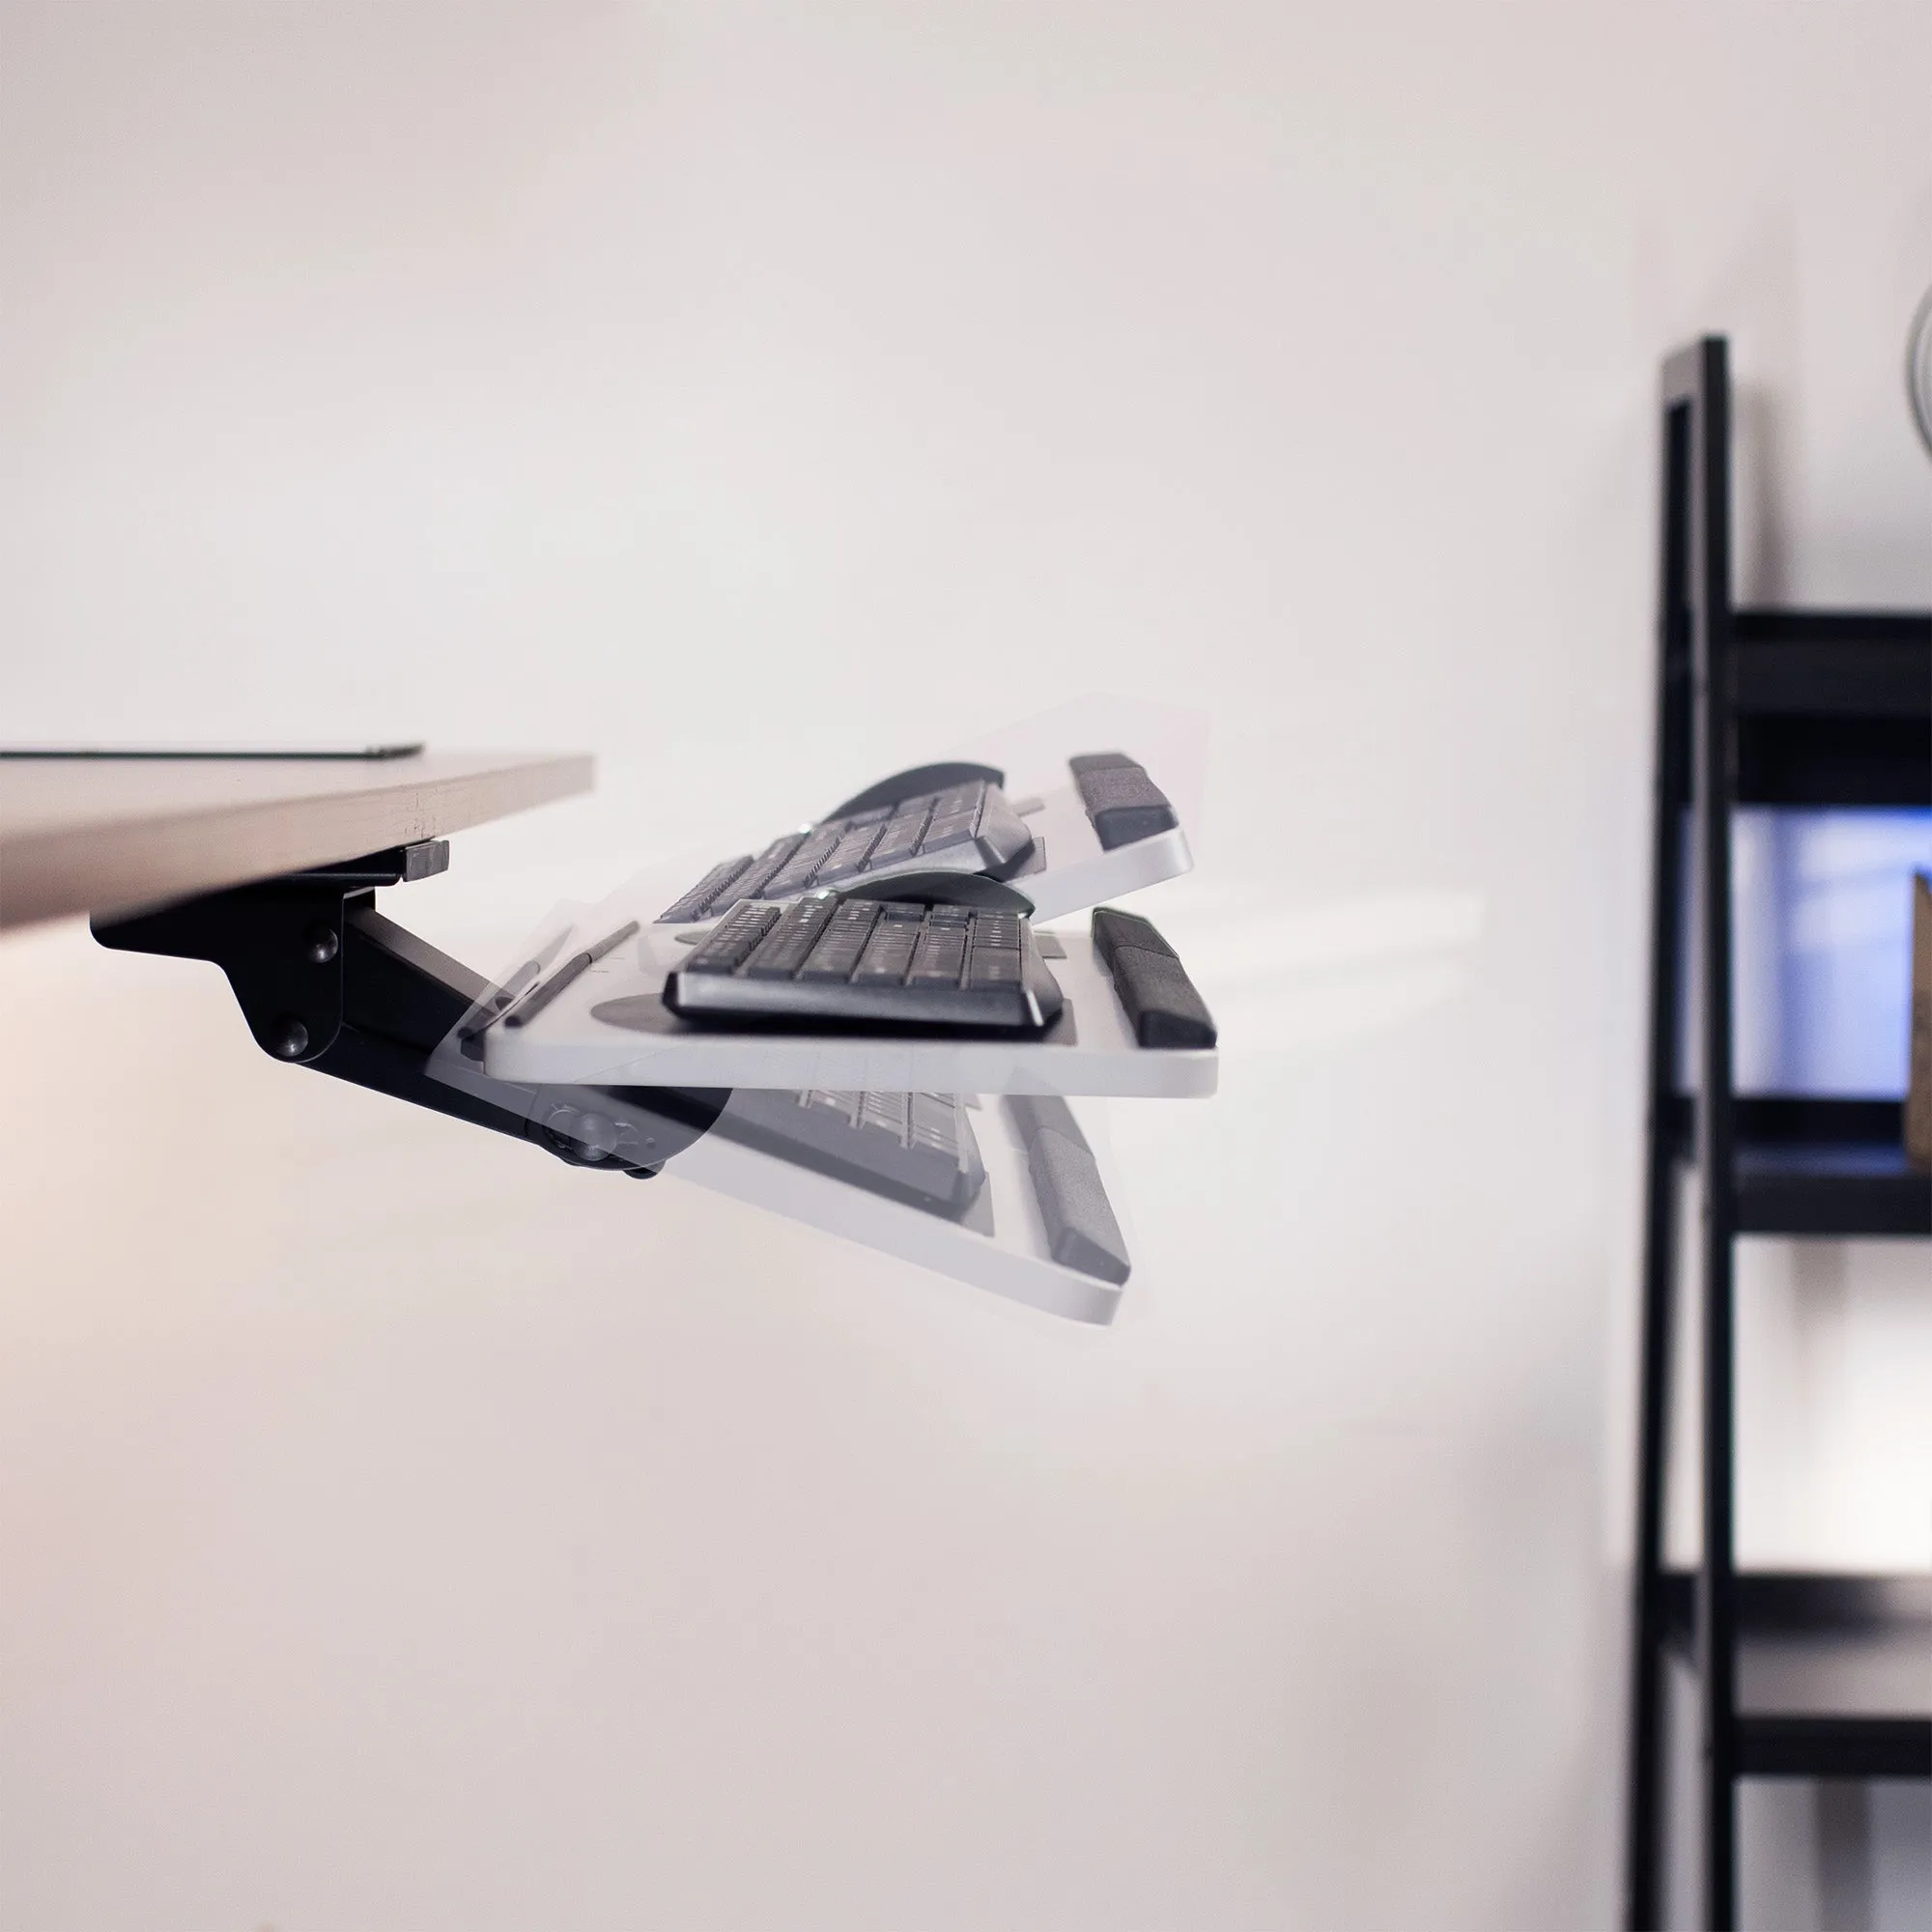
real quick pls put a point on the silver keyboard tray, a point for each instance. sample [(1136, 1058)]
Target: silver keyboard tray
[(1090, 1050)]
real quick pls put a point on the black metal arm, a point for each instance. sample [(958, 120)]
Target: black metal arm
[(325, 980)]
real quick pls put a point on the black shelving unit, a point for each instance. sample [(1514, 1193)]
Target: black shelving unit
[(1798, 1676)]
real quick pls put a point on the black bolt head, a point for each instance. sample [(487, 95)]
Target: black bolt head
[(289, 1038), (320, 945)]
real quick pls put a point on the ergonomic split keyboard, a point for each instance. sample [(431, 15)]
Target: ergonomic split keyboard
[(828, 959), (967, 827), (915, 1148), (935, 818)]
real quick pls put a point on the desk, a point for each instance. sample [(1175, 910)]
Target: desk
[(107, 834)]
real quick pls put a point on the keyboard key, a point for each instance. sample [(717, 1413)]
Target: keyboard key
[(799, 870), (786, 947), (841, 944), (942, 833), (888, 952), (742, 878), (886, 1114), (939, 958), (934, 1120), (995, 967), (900, 837), (767, 866), (961, 801), (732, 939), (848, 855), (833, 958), (697, 902), (845, 1105), (917, 1148)]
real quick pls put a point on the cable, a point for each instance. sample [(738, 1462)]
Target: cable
[(1918, 370)]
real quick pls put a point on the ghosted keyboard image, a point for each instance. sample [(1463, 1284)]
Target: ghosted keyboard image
[(914, 1148), (830, 960), (919, 1149), (966, 827)]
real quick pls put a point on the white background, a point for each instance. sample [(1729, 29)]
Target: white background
[(401, 1530)]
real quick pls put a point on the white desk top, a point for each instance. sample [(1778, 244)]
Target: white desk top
[(105, 835)]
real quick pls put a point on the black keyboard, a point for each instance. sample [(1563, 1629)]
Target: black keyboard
[(915, 1148), (966, 827), (825, 961)]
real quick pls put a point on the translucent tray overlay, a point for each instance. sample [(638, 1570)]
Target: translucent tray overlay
[(1075, 872), (1091, 1050), (595, 1088), (1001, 1245), (1069, 870)]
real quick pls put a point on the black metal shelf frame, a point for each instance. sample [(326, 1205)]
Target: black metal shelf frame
[(1802, 1639), (1754, 707)]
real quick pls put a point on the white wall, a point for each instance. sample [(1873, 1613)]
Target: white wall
[(404, 1531)]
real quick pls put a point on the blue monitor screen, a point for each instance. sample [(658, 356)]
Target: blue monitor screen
[(1822, 924)]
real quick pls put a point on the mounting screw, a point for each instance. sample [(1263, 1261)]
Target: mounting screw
[(320, 945), (289, 1038)]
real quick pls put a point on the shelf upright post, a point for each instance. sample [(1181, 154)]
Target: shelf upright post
[(1700, 376), (1643, 1900)]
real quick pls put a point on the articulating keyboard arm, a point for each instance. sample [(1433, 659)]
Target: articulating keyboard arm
[(325, 980)]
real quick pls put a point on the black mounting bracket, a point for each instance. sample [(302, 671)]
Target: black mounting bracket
[(325, 980)]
